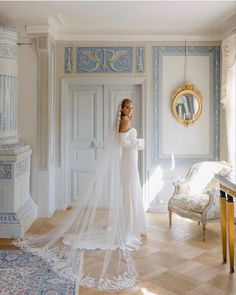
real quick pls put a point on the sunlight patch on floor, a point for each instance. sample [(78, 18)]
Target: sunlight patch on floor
[(185, 219), (146, 292)]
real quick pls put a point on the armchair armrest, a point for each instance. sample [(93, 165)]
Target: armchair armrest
[(178, 180), (212, 209)]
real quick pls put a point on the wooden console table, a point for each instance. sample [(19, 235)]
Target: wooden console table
[(227, 195)]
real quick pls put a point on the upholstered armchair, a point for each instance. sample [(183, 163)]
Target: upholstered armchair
[(197, 195)]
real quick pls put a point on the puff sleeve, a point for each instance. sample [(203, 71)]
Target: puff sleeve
[(127, 142)]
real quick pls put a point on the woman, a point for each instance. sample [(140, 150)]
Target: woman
[(132, 194), (93, 245)]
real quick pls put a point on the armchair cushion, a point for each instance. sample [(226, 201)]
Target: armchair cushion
[(190, 202)]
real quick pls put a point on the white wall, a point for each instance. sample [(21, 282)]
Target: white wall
[(160, 176), (27, 107), (175, 137)]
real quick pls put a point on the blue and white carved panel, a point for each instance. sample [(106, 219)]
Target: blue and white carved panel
[(22, 167), (206, 77), (104, 59), (8, 105), (9, 218), (5, 171), (140, 59), (8, 51), (68, 59), (8, 85)]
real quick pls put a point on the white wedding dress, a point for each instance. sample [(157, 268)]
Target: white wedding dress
[(135, 224), (131, 213)]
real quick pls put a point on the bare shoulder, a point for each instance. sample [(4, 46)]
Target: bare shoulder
[(124, 124)]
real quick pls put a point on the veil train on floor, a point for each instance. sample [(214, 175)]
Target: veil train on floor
[(90, 247)]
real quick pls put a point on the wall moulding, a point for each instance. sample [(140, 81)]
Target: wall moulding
[(211, 62)]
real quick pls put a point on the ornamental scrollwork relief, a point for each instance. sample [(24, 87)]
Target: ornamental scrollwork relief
[(22, 167), (8, 218), (68, 59), (8, 51), (5, 171), (42, 42), (104, 59), (140, 59)]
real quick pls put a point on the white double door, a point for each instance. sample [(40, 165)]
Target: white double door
[(91, 111)]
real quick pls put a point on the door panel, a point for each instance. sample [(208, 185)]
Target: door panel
[(91, 112), (86, 134)]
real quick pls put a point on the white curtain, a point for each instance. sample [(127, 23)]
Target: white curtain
[(229, 95)]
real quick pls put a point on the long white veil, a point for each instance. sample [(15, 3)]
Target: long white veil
[(91, 245)]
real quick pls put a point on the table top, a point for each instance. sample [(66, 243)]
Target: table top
[(227, 181)]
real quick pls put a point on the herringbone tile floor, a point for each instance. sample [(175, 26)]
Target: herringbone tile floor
[(171, 261)]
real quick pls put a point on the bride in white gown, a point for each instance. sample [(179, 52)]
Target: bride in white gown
[(94, 244), (132, 194)]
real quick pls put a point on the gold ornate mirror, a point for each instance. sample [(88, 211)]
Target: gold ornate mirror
[(187, 104)]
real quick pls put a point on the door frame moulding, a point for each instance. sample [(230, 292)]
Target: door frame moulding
[(66, 83)]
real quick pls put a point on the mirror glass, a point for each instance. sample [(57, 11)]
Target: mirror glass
[(187, 104)]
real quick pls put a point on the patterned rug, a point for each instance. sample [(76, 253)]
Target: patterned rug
[(22, 273)]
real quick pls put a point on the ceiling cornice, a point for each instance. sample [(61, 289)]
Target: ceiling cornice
[(38, 29), (77, 37), (61, 36)]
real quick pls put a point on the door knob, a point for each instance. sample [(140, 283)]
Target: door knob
[(97, 144)]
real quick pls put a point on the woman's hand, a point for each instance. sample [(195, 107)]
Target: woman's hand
[(140, 143)]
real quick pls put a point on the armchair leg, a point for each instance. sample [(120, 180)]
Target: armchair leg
[(198, 222), (204, 232), (170, 218)]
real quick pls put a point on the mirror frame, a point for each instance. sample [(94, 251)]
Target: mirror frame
[(183, 89)]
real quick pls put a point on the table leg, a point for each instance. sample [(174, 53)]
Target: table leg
[(223, 225), (230, 205)]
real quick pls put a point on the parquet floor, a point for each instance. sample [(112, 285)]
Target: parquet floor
[(170, 261)]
